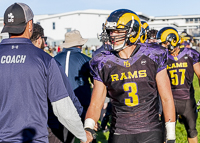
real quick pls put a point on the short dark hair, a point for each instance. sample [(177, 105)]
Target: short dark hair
[(152, 34), (38, 31)]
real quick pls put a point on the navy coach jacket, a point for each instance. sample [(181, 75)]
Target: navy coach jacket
[(77, 69)]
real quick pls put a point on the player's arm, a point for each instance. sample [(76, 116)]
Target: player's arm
[(196, 67), (164, 88), (94, 110)]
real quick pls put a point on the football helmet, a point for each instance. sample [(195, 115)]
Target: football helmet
[(168, 34), (124, 20), (145, 29)]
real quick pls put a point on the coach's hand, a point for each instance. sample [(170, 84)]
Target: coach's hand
[(96, 127), (89, 137)]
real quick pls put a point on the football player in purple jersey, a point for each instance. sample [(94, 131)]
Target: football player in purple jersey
[(181, 65), (133, 74)]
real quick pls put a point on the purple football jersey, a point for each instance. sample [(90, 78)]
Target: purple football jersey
[(181, 73), (131, 84)]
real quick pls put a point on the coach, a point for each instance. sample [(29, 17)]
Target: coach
[(26, 85)]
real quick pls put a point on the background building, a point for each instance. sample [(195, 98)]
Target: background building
[(188, 23), (89, 23)]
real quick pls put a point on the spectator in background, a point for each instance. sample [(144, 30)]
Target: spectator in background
[(92, 49), (77, 69), (59, 49), (29, 79), (86, 50), (54, 53), (38, 39)]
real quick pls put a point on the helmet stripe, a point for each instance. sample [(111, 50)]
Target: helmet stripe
[(125, 18)]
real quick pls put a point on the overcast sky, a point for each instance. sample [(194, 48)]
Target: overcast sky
[(148, 7)]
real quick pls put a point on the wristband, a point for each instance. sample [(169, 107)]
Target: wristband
[(92, 132), (170, 130), (89, 123)]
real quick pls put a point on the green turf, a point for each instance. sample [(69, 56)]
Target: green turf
[(181, 135)]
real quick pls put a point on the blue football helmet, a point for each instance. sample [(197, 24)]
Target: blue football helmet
[(168, 34), (125, 20)]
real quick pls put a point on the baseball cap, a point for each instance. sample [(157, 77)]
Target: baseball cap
[(16, 17)]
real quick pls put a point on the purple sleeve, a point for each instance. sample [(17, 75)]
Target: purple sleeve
[(195, 56), (96, 66), (162, 62), (160, 57), (158, 54)]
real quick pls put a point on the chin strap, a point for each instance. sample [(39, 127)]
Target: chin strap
[(120, 47), (170, 47)]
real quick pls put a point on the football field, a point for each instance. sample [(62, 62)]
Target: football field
[(181, 136)]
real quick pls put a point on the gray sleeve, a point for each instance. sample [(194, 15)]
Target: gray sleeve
[(67, 114)]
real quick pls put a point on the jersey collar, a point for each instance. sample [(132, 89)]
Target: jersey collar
[(133, 53), (72, 49), (16, 41)]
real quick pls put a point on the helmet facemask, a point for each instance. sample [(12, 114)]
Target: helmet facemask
[(171, 38), (129, 32)]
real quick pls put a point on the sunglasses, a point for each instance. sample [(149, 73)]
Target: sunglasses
[(45, 38)]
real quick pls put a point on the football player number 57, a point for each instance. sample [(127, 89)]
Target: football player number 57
[(175, 78), (131, 88)]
